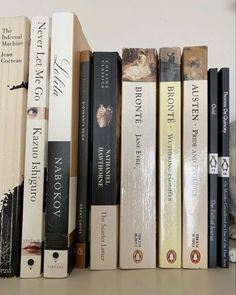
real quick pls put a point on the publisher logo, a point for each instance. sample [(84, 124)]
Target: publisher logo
[(224, 166), (137, 256), (30, 263), (213, 163), (171, 256), (195, 256)]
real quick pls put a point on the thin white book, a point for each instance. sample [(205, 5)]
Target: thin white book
[(36, 149), (66, 43)]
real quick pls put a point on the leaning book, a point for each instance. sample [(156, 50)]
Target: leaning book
[(13, 97), (195, 158), (66, 43), (138, 159), (36, 149)]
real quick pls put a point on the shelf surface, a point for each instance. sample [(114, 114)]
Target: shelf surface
[(138, 282)]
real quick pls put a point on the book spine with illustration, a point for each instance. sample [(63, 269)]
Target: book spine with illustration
[(138, 159), (66, 44), (195, 158), (14, 50), (169, 157), (84, 162), (224, 164), (212, 166), (105, 160), (36, 149)]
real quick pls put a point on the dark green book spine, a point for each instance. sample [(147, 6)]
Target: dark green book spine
[(213, 166), (223, 186), (84, 159)]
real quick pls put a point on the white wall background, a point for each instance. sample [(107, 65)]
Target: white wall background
[(113, 24)]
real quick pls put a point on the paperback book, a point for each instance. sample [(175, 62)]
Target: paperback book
[(66, 43), (138, 159), (224, 165), (14, 43), (36, 150), (84, 162), (195, 158), (169, 151), (212, 166), (106, 160)]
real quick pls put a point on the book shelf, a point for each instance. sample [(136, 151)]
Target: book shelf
[(138, 282), (110, 25)]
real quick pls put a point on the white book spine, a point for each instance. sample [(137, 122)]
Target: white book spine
[(36, 149), (138, 161), (62, 145), (195, 166)]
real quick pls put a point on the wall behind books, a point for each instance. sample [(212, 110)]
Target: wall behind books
[(113, 24)]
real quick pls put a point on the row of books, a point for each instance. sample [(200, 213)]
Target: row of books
[(118, 178)]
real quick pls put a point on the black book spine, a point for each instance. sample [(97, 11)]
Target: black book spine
[(223, 180), (84, 158), (105, 130), (56, 218), (105, 160), (10, 232), (213, 166)]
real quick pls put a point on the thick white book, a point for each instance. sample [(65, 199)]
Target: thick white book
[(36, 149), (66, 43), (138, 159)]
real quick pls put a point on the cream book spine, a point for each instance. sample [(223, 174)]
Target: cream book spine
[(169, 159), (36, 149), (138, 159), (14, 44), (195, 158)]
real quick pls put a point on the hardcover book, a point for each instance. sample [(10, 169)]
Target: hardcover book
[(14, 45), (169, 151), (212, 166), (195, 158), (138, 159), (84, 162), (66, 43), (36, 149), (223, 180), (106, 160)]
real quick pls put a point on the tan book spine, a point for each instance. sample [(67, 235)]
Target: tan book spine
[(195, 158), (169, 151)]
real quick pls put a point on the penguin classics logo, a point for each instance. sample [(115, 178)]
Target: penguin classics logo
[(213, 164), (104, 115), (195, 256), (137, 256), (171, 256), (224, 167)]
